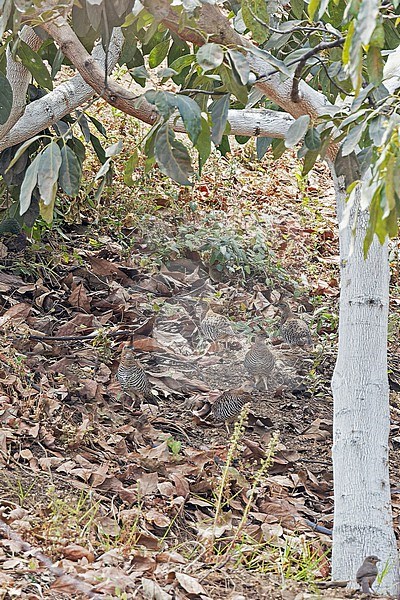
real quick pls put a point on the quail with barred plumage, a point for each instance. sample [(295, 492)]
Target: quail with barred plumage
[(216, 327), (228, 406), (259, 361), (133, 378), (295, 331), (367, 573)]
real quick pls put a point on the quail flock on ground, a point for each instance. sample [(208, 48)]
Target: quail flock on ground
[(132, 377), (295, 331), (259, 361), (367, 573)]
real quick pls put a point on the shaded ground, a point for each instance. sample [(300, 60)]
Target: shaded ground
[(128, 501)]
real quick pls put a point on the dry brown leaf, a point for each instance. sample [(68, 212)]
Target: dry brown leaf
[(189, 584), (75, 552)]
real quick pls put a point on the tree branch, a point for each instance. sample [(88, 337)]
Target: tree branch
[(19, 78)]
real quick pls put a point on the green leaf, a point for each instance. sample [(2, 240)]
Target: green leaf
[(262, 145), (312, 139), (203, 144), (297, 131), (278, 148), (158, 53), (70, 171), (114, 149), (172, 156), (219, 116), (252, 9), (47, 210), (352, 138), (6, 99), (347, 44), (182, 62), (375, 65), (312, 8), (191, 116), (22, 149), (49, 166), (210, 56), (130, 166), (309, 161), (389, 187), (366, 20), (98, 148), (32, 61), (297, 7), (240, 66), (28, 185), (240, 91), (378, 36)]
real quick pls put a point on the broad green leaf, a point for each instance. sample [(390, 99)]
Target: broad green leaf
[(352, 138), (130, 166), (210, 56), (114, 149), (312, 139), (139, 72), (70, 171), (366, 20), (203, 144), (347, 44), (6, 99), (262, 145), (374, 65), (219, 116), (378, 36), (47, 210), (49, 166), (172, 156), (278, 148), (240, 66), (22, 149), (191, 116), (254, 11), (312, 8), (389, 187), (32, 61), (105, 167), (98, 148), (240, 91), (28, 185), (182, 62), (158, 53), (297, 7), (297, 131), (309, 161)]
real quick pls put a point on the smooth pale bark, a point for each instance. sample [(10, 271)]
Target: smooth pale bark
[(362, 514)]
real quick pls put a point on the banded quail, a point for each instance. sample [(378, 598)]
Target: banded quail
[(259, 361), (295, 331), (132, 377), (228, 406), (216, 327)]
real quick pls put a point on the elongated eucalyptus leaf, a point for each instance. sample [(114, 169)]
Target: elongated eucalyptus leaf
[(219, 116), (32, 61), (297, 131)]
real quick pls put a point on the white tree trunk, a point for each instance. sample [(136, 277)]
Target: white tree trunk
[(362, 515)]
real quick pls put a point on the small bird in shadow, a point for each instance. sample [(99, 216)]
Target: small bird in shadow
[(367, 573)]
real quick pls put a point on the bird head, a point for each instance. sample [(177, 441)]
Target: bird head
[(373, 559), (128, 355)]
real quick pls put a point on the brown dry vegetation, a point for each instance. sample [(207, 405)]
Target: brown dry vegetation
[(151, 505)]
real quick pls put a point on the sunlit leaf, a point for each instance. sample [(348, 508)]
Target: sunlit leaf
[(203, 144), (297, 131), (210, 56), (256, 18), (130, 166), (374, 65), (240, 66), (158, 53)]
